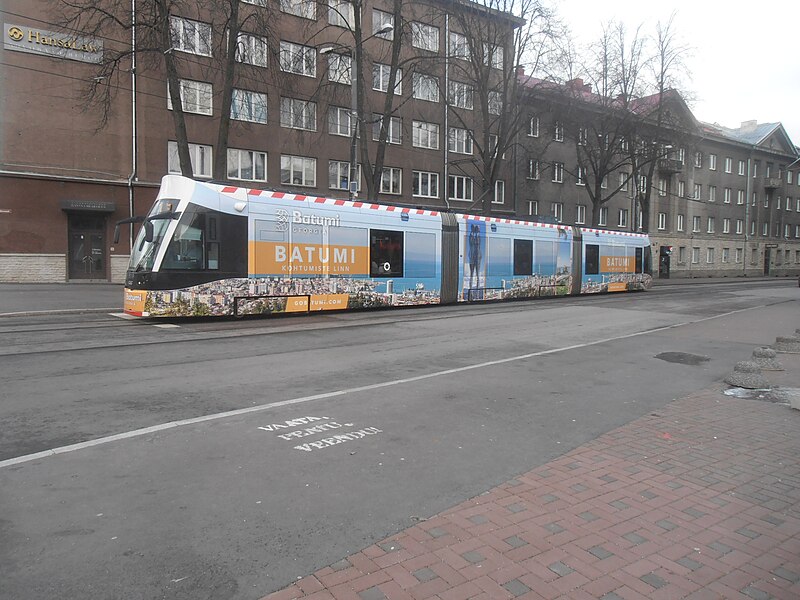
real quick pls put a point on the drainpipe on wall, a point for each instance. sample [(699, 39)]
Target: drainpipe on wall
[(446, 132), (748, 192), (134, 144)]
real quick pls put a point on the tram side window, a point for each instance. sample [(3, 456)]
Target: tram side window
[(386, 253), (185, 251), (639, 261), (207, 240), (592, 259), (523, 257)]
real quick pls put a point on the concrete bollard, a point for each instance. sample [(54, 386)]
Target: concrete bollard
[(789, 345), (747, 374), (766, 359)]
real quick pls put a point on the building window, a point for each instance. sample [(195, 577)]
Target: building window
[(698, 160), (712, 162), (533, 169), (698, 191), (622, 219), (710, 225), (603, 217), (339, 68), (726, 195), (709, 255), (681, 189), (495, 102), (557, 211), (425, 184), (460, 95), (788, 203), (249, 106), (426, 87), (695, 255), (681, 254), (298, 59), (195, 97), (493, 55), (391, 180), (459, 187), (696, 224), (499, 192), (200, 156), (679, 223), (662, 221), (739, 255), (580, 214), (425, 37), (340, 13), (728, 164), (459, 141), (765, 230), (558, 172), (425, 135), (581, 136), (252, 49), (457, 46), (248, 165), (580, 176), (299, 170), (190, 36), (726, 254), (726, 225), (712, 193), (380, 78), (740, 197), (533, 208), (623, 181), (339, 119), (741, 167), (298, 114), (558, 131), (380, 20), (739, 226), (393, 135), (339, 175), (662, 186), (533, 126), (301, 8)]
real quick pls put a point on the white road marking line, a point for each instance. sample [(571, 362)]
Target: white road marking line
[(324, 396), (167, 326), (123, 316)]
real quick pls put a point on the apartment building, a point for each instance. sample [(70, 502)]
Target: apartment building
[(70, 170), (722, 201)]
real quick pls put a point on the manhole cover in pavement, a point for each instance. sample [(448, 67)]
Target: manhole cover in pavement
[(683, 358)]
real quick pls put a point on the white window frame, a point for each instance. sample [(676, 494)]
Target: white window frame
[(710, 225), (459, 141), (424, 184), (602, 218), (339, 68), (622, 217), (425, 87), (580, 214), (457, 46), (680, 222), (493, 55), (201, 155), (380, 78), (196, 97), (742, 168), (302, 165), (712, 162), (307, 9), (727, 194), (425, 135), (695, 255), (558, 172), (237, 154), (710, 256), (340, 13), (712, 193), (461, 185), (381, 19), (190, 36), (339, 175), (499, 192), (252, 49), (697, 221), (298, 114), (495, 102), (662, 221), (394, 134), (298, 59), (533, 126), (739, 226), (558, 131), (533, 208), (460, 94), (728, 164), (726, 225), (557, 211), (247, 105), (580, 175), (391, 181), (424, 36), (533, 169), (340, 121)]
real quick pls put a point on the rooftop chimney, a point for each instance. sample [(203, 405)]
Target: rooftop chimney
[(520, 71), (749, 125)]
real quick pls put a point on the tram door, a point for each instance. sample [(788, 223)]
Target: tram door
[(87, 247)]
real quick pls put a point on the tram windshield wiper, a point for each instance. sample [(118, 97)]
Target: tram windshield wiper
[(148, 222), (125, 222)]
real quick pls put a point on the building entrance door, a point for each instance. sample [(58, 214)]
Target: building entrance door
[(664, 261), (87, 247), (766, 260)]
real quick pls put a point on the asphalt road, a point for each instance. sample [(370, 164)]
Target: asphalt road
[(336, 430)]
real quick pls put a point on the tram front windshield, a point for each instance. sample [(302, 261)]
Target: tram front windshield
[(143, 254)]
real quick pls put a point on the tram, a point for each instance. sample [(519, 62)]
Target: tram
[(206, 249)]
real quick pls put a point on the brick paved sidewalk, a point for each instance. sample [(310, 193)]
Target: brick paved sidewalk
[(700, 499)]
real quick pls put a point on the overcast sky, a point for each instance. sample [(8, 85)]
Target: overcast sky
[(745, 62)]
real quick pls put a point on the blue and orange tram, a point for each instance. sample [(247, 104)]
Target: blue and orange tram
[(208, 249)]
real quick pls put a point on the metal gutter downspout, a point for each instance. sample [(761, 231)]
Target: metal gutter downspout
[(446, 132), (134, 144), (748, 192)]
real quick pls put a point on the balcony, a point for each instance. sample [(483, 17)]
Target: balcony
[(670, 165), (772, 183)]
